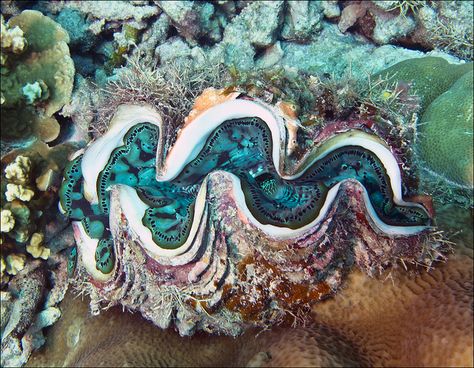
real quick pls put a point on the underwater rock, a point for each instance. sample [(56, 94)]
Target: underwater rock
[(222, 229), (195, 21), (174, 49), (103, 12), (335, 53), (153, 37), (77, 27), (447, 26), (376, 21), (302, 20), (255, 27), (44, 62)]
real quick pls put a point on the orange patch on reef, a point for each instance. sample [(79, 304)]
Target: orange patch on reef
[(269, 284), (208, 98)]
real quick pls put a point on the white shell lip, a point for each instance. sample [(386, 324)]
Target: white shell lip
[(87, 247), (98, 153), (196, 133), (134, 210)]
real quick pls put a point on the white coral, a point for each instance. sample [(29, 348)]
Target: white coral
[(19, 170), (18, 191), (7, 221)]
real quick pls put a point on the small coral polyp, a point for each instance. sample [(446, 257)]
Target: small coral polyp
[(223, 230)]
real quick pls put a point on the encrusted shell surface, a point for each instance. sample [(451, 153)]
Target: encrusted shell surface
[(234, 268)]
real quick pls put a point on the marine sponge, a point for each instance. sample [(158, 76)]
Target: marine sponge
[(45, 68)]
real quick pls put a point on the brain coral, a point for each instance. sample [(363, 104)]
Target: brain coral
[(444, 137)]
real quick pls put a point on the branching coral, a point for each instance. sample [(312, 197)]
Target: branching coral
[(29, 185)]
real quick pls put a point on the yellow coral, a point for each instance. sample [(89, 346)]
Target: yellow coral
[(7, 221), (3, 265), (12, 38), (18, 191), (19, 170), (15, 263), (36, 249)]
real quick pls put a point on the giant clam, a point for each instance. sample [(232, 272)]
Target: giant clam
[(224, 228)]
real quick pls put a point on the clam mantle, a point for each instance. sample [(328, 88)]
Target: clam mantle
[(221, 230)]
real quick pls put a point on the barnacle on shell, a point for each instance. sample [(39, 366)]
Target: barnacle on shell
[(223, 230)]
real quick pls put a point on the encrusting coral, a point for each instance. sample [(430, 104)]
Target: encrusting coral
[(443, 132), (37, 76)]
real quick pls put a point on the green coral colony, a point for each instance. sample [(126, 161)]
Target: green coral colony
[(242, 147)]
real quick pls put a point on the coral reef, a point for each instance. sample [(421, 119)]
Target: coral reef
[(30, 263), (246, 34), (37, 79), (250, 158)]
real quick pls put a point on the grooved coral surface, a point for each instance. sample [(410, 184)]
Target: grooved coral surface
[(446, 132), (429, 76)]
